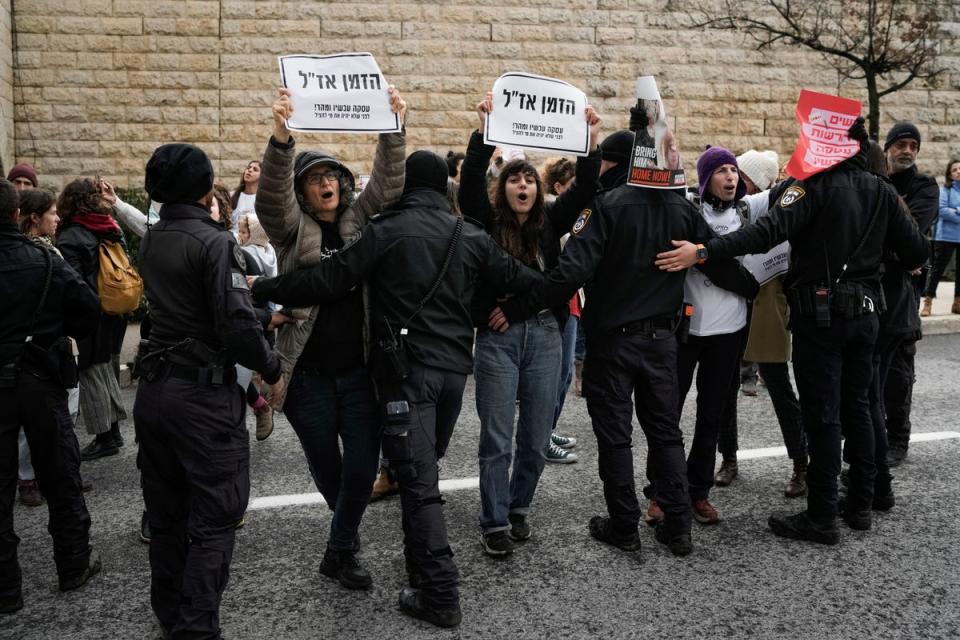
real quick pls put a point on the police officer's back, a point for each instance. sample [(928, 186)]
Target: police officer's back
[(421, 318), (45, 301), (189, 413)]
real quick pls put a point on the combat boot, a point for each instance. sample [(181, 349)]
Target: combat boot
[(797, 485), (927, 309), (411, 603), (384, 486), (728, 471), (800, 527), (343, 566)]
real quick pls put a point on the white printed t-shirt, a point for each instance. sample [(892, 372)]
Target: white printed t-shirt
[(717, 311)]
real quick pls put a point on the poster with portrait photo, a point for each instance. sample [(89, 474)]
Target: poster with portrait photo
[(655, 159)]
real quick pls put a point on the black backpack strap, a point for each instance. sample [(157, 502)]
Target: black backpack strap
[(451, 248), (48, 259)]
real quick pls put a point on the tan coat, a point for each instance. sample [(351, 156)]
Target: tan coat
[(298, 238), (769, 339)]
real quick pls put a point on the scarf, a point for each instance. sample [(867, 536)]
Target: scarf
[(96, 223)]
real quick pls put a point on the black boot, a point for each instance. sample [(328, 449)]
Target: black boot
[(92, 569), (343, 566), (799, 527), (103, 445), (411, 603), (115, 432)]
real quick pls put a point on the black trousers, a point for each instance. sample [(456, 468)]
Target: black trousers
[(41, 408), (617, 367), (195, 474), (942, 252), (834, 370), (787, 407), (898, 393), (727, 439), (716, 360), (434, 397)]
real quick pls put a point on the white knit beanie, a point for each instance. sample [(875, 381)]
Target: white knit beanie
[(762, 167)]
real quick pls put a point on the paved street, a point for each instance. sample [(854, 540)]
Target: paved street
[(899, 580)]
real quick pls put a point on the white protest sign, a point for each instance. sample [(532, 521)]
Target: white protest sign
[(535, 112), (345, 92), (767, 266)]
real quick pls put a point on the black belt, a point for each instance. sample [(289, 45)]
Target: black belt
[(649, 326), (202, 375)]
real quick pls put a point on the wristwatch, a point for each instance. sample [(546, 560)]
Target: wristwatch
[(701, 254)]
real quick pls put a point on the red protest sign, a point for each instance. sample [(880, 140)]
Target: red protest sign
[(823, 141)]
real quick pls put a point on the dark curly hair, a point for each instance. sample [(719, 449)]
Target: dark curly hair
[(34, 201), (80, 196), (225, 204), (557, 170), (947, 180), (520, 241)]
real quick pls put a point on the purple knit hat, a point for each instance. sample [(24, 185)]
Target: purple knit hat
[(709, 161)]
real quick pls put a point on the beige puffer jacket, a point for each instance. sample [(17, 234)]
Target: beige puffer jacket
[(297, 237)]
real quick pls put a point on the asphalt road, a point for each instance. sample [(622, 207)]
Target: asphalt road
[(900, 580)]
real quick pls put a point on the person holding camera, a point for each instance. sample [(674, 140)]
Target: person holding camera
[(47, 301), (421, 264)]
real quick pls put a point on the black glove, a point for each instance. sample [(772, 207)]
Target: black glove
[(858, 132)]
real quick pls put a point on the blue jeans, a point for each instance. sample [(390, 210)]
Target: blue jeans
[(568, 350), (522, 364), (321, 409)]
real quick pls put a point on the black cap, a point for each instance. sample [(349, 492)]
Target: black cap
[(426, 170), (900, 131), (617, 146), (178, 173), (307, 159)]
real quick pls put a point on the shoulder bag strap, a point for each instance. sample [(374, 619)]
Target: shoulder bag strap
[(454, 240)]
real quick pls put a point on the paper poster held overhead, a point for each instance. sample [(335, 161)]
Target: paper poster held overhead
[(534, 112), (655, 160), (345, 92), (823, 141)]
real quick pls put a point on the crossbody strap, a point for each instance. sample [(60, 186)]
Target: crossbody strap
[(451, 248), (866, 233), (43, 296)]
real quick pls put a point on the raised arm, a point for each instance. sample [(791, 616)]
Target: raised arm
[(472, 197), (564, 210), (276, 203)]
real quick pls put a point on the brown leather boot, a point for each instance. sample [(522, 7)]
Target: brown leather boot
[(797, 485), (728, 471), (956, 306), (927, 309), (383, 486)]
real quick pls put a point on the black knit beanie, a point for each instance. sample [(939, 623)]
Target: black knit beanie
[(900, 131), (178, 173)]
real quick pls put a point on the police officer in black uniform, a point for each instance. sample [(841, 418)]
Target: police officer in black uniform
[(838, 223), (631, 320), (44, 301), (421, 263), (189, 411)]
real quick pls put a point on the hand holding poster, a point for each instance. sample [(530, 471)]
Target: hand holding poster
[(535, 112), (655, 160), (344, 92), (767, 266), (823, 142)]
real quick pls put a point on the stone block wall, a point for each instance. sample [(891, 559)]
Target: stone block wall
[(98, 84), (6, 89)]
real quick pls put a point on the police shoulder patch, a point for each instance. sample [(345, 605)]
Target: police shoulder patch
[(238, 260), (582, 221), (792, 195), (238, 281)]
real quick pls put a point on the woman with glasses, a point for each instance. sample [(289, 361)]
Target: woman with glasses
[(308, 205)]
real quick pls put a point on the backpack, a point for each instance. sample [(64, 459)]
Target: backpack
[(119, 284)]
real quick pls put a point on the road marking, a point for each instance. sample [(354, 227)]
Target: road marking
[(458, 484)]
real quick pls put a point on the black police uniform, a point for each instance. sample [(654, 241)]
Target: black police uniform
[(400, 254), (189, 411), (900, 325), (33, 395), (630, 320), (838, 223)]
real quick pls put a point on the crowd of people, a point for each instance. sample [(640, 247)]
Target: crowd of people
[(360, 312)]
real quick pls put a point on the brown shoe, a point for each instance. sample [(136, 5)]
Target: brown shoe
[(704, 512), (383, 486), (797, 485), (956, 306), (728, 471), (654, 514), (30, 495), (578, 377), (264, 422), (927, 309)]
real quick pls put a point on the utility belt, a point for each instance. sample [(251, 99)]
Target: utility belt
[(189, 360), (54, 363), (660, 327), (848, 300)]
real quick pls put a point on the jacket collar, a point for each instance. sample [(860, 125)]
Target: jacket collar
[(9, 230), (184, 210), (903, 180), (425, 198)]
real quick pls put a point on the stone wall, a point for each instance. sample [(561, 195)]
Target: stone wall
[(6, 89), (100, 83)]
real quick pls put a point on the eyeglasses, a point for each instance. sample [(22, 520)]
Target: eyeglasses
[(329, 176)]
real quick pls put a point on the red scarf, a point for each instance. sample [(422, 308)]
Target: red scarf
[(97, 223)]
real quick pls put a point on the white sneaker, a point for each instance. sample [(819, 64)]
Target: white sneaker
[(564, 442), (561, 456)]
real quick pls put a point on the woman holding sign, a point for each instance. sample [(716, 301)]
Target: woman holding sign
[(307, 205), (524, 362)]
